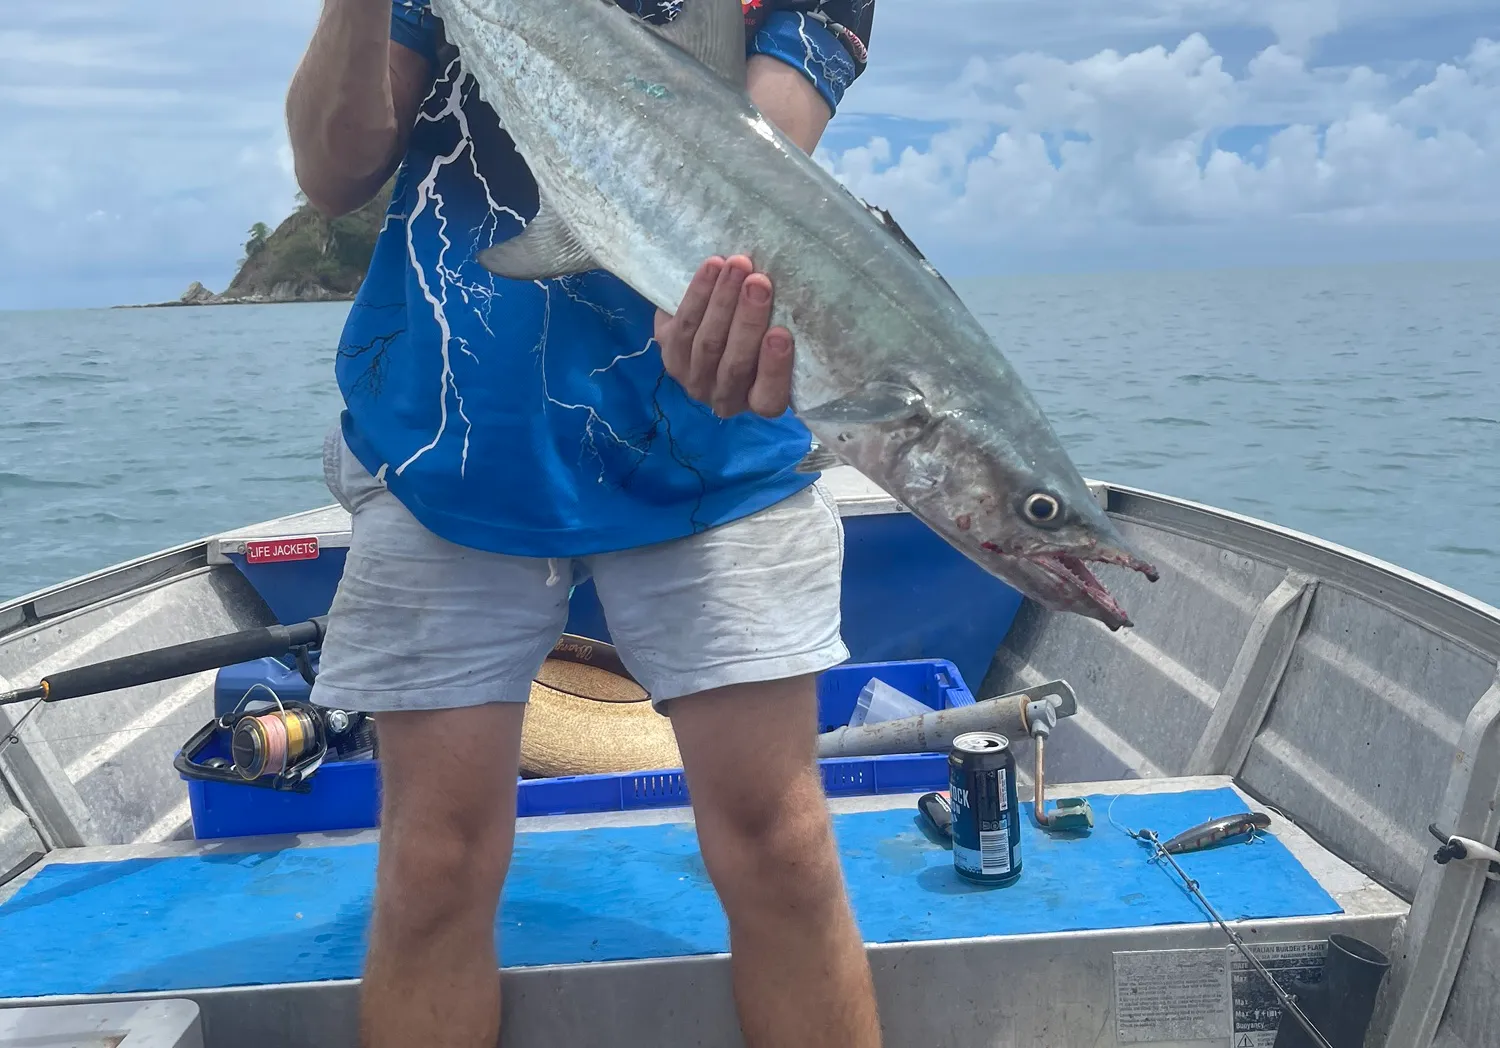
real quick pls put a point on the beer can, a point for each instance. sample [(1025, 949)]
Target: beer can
[(982, 795)]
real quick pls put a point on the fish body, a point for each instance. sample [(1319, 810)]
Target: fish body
[(650, 157)]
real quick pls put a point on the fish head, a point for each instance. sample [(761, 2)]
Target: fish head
[(1009, 498)]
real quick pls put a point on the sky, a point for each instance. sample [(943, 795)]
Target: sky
[(141, 141)]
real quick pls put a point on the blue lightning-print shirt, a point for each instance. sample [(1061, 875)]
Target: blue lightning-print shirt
[(536, 418)]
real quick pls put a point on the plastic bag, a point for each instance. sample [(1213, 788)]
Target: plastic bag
[(878, 701)]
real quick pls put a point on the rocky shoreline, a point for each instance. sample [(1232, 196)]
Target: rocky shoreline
[(287, 292), (309, 257)]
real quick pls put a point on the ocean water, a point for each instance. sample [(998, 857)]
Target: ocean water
[(1361, 404)]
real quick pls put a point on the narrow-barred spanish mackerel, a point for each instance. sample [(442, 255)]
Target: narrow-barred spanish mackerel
[(650, 158)]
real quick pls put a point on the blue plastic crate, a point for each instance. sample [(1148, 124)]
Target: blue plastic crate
[(345, 795)]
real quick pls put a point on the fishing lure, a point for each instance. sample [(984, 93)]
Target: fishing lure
[(1216, 831)]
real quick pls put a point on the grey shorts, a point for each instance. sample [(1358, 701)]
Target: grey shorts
[(421, 623)]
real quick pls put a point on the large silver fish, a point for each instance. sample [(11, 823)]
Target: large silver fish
[(650, 157)]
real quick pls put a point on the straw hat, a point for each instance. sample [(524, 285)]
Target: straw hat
[(588, 715)]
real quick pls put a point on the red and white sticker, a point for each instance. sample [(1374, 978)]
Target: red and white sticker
[(275, 551)]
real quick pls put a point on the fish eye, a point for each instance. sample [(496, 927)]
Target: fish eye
[(1042, 508)]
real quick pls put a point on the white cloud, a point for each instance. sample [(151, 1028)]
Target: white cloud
[(140, 145), (143, 140), (1046, 149), (918, 42)]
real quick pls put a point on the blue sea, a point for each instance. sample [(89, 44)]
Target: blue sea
[(1361, 404)]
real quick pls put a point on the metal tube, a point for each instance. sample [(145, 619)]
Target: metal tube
[(1039, 807), (929, 732)]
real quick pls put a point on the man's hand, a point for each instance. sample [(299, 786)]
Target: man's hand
[(720, 346)]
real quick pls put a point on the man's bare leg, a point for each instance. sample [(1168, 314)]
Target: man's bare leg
[(447, 826), (801, 976)]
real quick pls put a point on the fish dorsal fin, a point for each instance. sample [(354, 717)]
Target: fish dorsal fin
[(713, 32), (886, 219), (873, 403), (546, 248)]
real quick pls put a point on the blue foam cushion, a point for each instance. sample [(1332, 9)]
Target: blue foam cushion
[(607, 894)]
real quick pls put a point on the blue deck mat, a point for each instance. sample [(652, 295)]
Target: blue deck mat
[(607, 894)]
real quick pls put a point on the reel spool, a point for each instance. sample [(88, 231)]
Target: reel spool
[(270, 743), (278, 748)]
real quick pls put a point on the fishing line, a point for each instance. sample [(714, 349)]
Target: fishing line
[(1158, 852), (178, 725), (14, 735), (1110, 814)]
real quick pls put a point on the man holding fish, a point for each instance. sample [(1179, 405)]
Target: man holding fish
[(504, 439)]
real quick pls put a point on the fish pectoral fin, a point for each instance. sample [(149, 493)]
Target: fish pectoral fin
[(817, 459), (876, 402), (545, 248), (713, 32)]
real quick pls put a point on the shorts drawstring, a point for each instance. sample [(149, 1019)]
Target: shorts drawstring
[(554, 574)]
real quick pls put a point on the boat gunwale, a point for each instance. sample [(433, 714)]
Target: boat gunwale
[(95, 588), (1460, 617)]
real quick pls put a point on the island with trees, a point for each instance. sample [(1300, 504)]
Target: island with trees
[(309, 257)]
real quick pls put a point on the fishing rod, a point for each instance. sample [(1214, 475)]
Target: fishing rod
[(279, 748), (178, 660), (282, 747), (1288, 1003)]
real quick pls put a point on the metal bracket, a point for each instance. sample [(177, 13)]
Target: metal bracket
[(1100, 491), (1059, 694), (1425, 962), (1246, 697)]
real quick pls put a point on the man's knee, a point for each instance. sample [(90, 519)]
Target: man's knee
[(750, 756), (442, 864), (773, 848), (448, 815)]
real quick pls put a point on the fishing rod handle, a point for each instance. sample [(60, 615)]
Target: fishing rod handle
[(181, 660)]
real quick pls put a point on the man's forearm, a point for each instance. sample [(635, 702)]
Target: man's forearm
[(341, 117), (788, 100)]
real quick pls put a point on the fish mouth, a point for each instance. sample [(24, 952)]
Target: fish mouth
[(1061, 580), (1071, 574)]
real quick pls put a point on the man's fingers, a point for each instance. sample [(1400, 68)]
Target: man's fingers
[(771, 394), (717, 346), (695, 300), (675, 335), (713, 333), (741, 357)]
